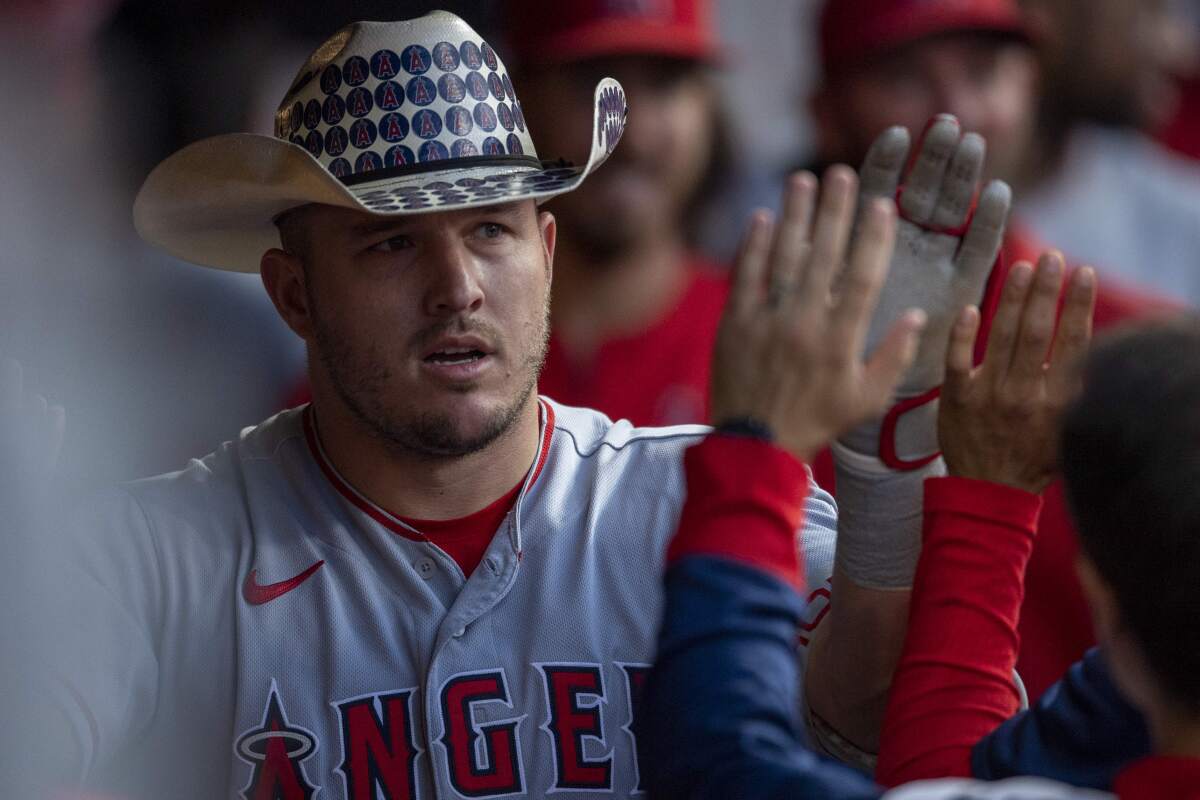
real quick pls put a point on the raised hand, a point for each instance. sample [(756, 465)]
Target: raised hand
[(940, 263), (999, 422), (789, 353)]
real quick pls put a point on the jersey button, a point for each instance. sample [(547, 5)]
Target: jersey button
[(425, 567), (459, 633)]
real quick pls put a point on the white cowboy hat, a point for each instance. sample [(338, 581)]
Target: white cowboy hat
[(386, 117)]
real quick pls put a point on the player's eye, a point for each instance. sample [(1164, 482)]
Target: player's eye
[(491, 230), (392, 244)]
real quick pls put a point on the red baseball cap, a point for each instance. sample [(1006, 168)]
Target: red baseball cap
[(852, 31), (554, 32)]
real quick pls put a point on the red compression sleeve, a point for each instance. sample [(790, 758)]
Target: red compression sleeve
[(954, 683), (745, 501)]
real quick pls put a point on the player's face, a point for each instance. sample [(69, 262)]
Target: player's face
[(431, 328), (988, 83), (643, 187), (1113, 60)]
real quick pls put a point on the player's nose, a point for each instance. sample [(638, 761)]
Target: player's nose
[(453, 283)]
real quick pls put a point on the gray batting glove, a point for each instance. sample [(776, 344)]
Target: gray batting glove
[(940, 264)]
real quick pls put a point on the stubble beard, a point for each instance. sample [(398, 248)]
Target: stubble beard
[(362, 379)]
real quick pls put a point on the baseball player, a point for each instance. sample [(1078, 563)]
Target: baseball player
[(429, 582), (720, 702), (887, 62)]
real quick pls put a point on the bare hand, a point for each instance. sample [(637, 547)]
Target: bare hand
[(999, 422), (789, 354)]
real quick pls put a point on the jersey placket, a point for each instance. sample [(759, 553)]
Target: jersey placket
[(462, 649)]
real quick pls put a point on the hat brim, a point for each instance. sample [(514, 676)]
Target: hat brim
[(215, 202)]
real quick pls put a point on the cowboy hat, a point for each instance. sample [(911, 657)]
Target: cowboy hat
[(385, 117)]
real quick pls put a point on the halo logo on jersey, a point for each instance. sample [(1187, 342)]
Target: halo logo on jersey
[(275, 749)]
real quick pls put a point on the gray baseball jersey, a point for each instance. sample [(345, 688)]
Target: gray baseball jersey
[(252, 626)]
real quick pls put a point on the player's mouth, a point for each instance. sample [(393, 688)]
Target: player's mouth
[(455, 356), (458, 358)]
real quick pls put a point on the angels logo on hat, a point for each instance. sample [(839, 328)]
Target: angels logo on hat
[(385, 117)]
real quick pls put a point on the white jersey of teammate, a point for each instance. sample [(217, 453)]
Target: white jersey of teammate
[(1008, 789), (252, 626)]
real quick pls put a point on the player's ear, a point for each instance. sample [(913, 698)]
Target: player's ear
[(549, 231), (284, 277)]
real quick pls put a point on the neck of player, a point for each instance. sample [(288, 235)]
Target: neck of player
[(418, 486), (595, 302)]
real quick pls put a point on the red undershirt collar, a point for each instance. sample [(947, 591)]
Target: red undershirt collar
[(465, 539)]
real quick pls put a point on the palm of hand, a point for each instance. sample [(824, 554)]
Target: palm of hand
[(924, 275), (943, 253)]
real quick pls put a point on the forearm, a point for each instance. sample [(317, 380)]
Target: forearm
[(954, 681), (857, 646), (852, 657)]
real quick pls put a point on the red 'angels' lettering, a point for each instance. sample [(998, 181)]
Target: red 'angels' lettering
[(635, 679), (498, 772), (378, 752), (380, 755), (571, 720)]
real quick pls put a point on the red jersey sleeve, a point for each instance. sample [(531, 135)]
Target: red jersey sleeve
[(954, 683), (745, 501)]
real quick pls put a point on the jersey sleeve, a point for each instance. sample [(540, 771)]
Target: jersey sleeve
[(720, 710), (817, 538), (89, 668), (954, 682), (1082, 731)]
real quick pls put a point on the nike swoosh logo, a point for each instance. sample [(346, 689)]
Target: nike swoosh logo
[(257, 594)]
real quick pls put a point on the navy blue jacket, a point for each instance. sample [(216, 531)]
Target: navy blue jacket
[(719, 715)]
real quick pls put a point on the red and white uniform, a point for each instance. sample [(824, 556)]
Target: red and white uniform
[(251, 626)]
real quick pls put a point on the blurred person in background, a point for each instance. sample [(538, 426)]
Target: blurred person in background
[(900, 61), (1182, 132), (1094, 182), (635, 307), (144, 352)]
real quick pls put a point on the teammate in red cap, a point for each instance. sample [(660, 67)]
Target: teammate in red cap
[(900, 61), (635, 307)]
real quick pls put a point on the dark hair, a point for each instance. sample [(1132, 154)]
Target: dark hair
[(293, 231), (1131, 460)]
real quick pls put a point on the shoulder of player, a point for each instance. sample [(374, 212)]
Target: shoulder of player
[(592, 435), (211, 488)]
